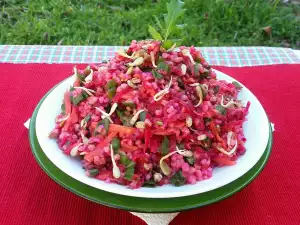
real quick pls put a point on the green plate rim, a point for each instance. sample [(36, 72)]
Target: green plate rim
[(137, 204)]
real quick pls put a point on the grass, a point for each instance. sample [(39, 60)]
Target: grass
[(110, 22)]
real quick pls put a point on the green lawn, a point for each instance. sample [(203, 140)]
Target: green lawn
[(112, 22)]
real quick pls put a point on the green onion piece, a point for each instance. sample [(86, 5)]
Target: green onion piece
[(143, 116), (221, 109), (93, 172), (163, 66), (178, 179), (190, 160), (105, 122), (115, 145), (237, 85), (149, 183), (111, 93), (196, 69), (216, 89), (164, 149), (156, 74), (111, 84), (79, 98), (129, 104), (129, 164), (63, 108)]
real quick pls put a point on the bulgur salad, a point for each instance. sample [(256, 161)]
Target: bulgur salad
[(152, 115)]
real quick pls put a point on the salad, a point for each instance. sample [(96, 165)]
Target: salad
[(152, 115)]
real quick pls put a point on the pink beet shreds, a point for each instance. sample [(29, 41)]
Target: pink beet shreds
[(150, 117)]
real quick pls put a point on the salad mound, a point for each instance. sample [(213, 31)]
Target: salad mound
[(151, 116)]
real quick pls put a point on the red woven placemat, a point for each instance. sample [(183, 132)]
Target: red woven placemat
[(29, 196)]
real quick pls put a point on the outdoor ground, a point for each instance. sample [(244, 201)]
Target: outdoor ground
[(112, 22)]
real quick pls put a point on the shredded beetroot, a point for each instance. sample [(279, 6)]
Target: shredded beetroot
[(145, 113)]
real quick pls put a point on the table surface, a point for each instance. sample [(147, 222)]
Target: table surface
[(29, 196)]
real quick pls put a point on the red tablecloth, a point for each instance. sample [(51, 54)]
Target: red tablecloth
[(29, 196)]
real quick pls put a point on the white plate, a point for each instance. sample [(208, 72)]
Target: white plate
[(256, 130)]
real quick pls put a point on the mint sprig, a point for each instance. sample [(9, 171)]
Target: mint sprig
[(175, 10)]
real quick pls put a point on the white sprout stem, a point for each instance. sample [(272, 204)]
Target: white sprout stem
[(89, 78), (179, 151), (85, 140), (152, 59), (158, 96), (136, 116), (200, 95), (107, 115), (89, 91), (74, 150), (137, 62), (195, 84), (121, 52), (229, 136), (228, 105), (187, 53), (183, 69), (116, 170), (63, 119), (231, 151), (129, 71)]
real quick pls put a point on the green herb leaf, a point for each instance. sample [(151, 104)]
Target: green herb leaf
[(129, 164), (154, 33), (175, 10), (167, 44), (115, 145), (158, 22), (149, 183), (180, 83), (156, 74), (216, 89), (111, 93), (93, 172), (237, 85), (190, 160), (178, 179), (221, 109), (143, 116), (206, 119), (205, 74), (163, 66), (81, 77), (164, 149)]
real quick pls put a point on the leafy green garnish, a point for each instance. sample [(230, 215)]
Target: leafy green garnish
[(180, 83), (206, 144), (156, 74), (115, 145), (143, 116), (216, 89), (105, 122), (190, 160), (237, 85), (129, 164), (154, 33), (221, 109), (111, 84), (164, 148), (93, 172), (206, 119), (175, 10), (178, 179), (81, 77)]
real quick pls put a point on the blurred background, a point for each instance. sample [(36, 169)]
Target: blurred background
[(112, 22)]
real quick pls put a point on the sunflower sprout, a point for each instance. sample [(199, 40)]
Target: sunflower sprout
[(74, 150), (153, 59), (89, 78), (116, 170), (187, 53), (88, 91), (183, 69), (231, 151), (136, 116), (158, 96)]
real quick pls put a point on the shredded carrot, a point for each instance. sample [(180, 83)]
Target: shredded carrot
[(121, 129), (223, 161)]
